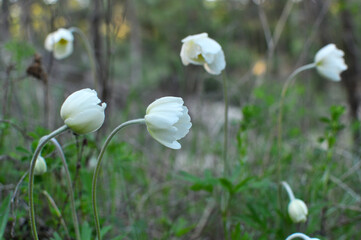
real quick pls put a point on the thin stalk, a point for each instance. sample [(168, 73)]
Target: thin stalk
[(90, 52), (46, 103), (279, 28), (98, 165), (57, 211), (37, 152), (70, 188), (283, 94), (289, 190), (14, 201), (225, 143)]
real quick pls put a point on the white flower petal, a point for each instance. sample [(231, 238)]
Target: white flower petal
[(199, 49), (297, 210), (217, 65), (82, 113), (60, 43), (164, 100), (330, 63), (195, 37), (167, 121)]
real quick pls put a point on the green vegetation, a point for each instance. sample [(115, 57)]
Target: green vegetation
[(148, 191)]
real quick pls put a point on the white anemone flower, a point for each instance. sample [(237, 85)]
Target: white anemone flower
[(83, 111), (329, 62), (297, 210), (60, 43), (300, 235), (168, 120), (40, 166), (199, 49)]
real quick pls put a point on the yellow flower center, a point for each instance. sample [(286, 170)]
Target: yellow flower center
[(200, 59), (63, 41)]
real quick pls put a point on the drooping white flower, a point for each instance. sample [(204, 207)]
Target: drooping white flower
[(40, 166), (168, 120), (60, 43), (297, 210), (330, 63), (82, 111), (300, 235), (199, 49)]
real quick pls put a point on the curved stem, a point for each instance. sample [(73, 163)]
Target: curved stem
[(225, 143), (37, 152), (300, 235), (70, 188), (289, 190), (98, 165), (90, 53), (280, 112)]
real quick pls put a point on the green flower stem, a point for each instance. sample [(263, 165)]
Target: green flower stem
[(70, 188), (37, 152), (98, 165), (225, 143), (283, 94), (90, 52), (288, 190)]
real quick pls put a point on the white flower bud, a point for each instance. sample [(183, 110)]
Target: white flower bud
[(40, 166), (82, 111), (330, 63), (168, 120), (199, 49), (297, 210), (60, 43)]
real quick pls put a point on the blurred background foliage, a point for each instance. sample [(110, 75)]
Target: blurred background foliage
[(149, 192)]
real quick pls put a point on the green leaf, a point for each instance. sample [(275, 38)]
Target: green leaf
[(86, 231), (189, 177), (202, 186), (226, 184), (19, 50), (56, 237), (4, 215), (104, 230), (241, 184), (325, 119)]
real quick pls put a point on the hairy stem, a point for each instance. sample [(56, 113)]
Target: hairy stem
[(289, 190), (225, 143), (98, 165), (37, 152), (70, 188)]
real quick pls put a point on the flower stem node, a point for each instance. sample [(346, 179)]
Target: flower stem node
[(40, 166), (199, 49), (60, 43), (83, 111), (168, 120), (330, 63)]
